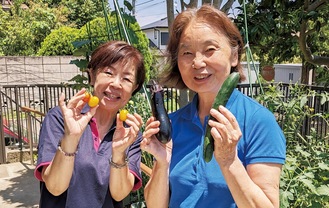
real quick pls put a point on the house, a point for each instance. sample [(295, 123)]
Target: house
[(157, 33), (288, 73), (6, 4)]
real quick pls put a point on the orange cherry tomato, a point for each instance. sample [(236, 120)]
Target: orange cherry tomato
[(87, 97), (93, 101), (123, 114)]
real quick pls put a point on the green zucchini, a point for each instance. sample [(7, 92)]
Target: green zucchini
[(221, 99)]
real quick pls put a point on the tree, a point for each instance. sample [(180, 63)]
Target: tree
[(22, 31), (59, 42), (281, 31), (194, 3)]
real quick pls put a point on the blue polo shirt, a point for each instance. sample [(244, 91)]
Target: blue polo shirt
[(89, 185), (198, 184)]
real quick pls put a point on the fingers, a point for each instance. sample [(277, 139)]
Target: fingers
[(226, 127), (134, 122), (77, 100)]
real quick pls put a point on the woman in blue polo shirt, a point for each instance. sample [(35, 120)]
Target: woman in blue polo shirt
[(87, 156), (204, 48)]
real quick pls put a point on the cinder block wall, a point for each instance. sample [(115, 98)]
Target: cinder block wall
[(37, 70)]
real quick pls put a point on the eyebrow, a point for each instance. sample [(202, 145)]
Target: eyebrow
[(206, 42)]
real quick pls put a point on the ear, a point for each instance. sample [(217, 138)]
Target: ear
[(234, 58), (135, 88), (91, 77)]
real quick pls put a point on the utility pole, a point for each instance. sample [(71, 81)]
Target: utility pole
[(133, 4)]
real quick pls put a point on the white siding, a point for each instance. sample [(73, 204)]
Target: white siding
[(288, 73)]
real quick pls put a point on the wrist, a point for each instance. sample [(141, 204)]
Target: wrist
[(65, 152), (118, 165)]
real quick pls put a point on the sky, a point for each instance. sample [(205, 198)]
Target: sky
[(147, 11)]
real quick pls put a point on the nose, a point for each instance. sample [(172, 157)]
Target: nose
[(115, 82), (198, 61)]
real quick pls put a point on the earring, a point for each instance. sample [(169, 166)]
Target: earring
[(193, 66)]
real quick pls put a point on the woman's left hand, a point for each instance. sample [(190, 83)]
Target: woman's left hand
[(124, 136), (226, 133)]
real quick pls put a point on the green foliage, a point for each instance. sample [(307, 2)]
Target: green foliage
[(322, 75), (305, 176), (82, 11), (275, 30), (23, 30), (59, 42)]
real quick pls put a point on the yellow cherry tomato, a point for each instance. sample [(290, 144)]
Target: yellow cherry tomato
[(93, 101), (87, 97), (123, 114)]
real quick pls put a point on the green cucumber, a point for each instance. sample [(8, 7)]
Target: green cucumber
[(221, 99)]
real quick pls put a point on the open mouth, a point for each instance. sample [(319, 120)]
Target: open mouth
[(202, 76), (112, 96)]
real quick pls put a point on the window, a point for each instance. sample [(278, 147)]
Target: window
[(291, 76), (164, 38)]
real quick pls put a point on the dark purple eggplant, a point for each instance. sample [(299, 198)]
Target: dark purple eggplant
[(160, 113)]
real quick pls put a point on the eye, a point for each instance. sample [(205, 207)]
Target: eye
[(109, 73), (187, 53), (128, 79), (211, 49)]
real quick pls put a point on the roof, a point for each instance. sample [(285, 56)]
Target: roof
[(162, 23)]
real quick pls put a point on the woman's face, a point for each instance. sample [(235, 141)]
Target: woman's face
[(205, 58), (114, 85)]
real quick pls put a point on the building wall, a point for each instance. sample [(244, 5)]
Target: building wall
[(252, 73), (288, 73), (36, 70), (154, 35)]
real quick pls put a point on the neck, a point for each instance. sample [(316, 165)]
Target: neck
[(205, 104), (104, 122)]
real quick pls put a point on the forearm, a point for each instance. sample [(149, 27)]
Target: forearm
[(156, 191), (58, 174), (121, 179), (245, 191)]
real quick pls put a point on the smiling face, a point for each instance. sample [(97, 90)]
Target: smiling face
[(205, 58), (114, 85)]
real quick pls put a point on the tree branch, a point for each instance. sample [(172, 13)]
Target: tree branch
[(316, 4)]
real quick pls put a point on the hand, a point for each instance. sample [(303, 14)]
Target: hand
[(161, 152), (75, 122), (226, 133), (124, 136)]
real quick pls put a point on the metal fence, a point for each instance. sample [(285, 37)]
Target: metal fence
[(23, 108)]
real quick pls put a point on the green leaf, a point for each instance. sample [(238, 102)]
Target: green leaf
[(79, 44), (80, 63), (303, 100), (323, 166), (309, 184), (80, 52), (323, 190)]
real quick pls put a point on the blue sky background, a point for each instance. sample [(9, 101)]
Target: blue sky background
[(148, 11)]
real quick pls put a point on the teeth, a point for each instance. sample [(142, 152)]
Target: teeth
[(202, 76), (111, 96)]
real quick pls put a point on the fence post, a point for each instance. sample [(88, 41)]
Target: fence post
[(29, 135), (2, 136)]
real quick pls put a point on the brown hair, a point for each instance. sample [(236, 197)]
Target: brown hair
[(211, 16), (113, 51)]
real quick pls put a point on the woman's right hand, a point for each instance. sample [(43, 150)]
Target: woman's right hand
[(74, 121), (150, 144)]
